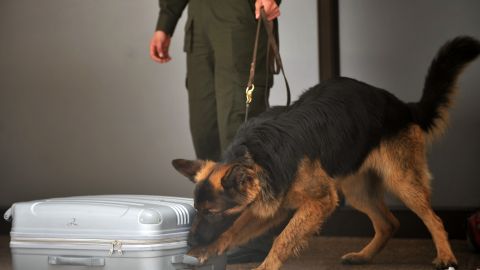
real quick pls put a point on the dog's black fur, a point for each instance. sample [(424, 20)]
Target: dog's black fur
[(337, 124), (342, 120)]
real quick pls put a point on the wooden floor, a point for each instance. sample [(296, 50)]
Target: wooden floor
[(324, 253)]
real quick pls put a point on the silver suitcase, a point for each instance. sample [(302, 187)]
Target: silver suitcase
[(118, 232)]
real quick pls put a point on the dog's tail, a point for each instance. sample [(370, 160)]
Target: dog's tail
[(431, 112)]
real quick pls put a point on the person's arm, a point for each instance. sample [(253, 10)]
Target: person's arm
[(170, 12), (272, 10)]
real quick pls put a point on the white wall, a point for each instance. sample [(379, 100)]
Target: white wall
[(298, 49), (83, 110), (390, 43)]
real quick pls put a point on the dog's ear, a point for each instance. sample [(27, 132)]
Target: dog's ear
[(237, 177), (189, 168), (241, 173)]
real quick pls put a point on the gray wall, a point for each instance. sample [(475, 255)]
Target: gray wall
[(390, 44), (83, 110)]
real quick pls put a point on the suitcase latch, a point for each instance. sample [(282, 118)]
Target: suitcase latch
[(116, 246)]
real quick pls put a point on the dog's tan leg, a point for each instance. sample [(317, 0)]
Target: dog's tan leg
[(404, 168), (245, 228), (242, 233), (225, 239), (417, 197), (257, 227), (364, 192), (304, 223)]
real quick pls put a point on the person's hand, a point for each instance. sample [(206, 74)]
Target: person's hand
[(159, 47), (271, 9)]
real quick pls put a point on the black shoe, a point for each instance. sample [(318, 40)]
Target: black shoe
[(245, 255)]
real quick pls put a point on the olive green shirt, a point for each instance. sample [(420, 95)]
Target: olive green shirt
[(170, 12)]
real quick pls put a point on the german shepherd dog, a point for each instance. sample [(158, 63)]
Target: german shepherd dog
[(339, 136)]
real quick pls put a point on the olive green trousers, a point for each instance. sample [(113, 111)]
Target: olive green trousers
[(219, 40)]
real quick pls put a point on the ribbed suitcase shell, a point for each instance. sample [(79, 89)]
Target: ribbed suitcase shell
[(103, 232)]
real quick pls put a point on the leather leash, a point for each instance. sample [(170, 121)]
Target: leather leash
[(272, 43)]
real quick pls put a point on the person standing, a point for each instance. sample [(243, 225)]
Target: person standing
[(219, 39)]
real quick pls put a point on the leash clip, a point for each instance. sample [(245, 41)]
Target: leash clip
[(249, 93)]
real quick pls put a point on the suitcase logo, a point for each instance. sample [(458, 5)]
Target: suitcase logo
[(72, 223)]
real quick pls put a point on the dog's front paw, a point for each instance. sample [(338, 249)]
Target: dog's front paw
[(262, 267), (221, 245), (268, 266), (201, 253), (445, 263), (355, 258)]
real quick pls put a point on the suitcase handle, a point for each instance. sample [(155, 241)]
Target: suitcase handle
[(82, 261), (181, 262)]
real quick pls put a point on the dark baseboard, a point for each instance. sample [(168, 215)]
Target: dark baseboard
[(349, 222), (5, 226)]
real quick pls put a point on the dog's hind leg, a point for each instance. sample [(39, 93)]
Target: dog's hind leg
[(406, 175), (364, 192), (409, 189)]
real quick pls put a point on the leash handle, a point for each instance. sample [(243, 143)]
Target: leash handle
[(272, 44)]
